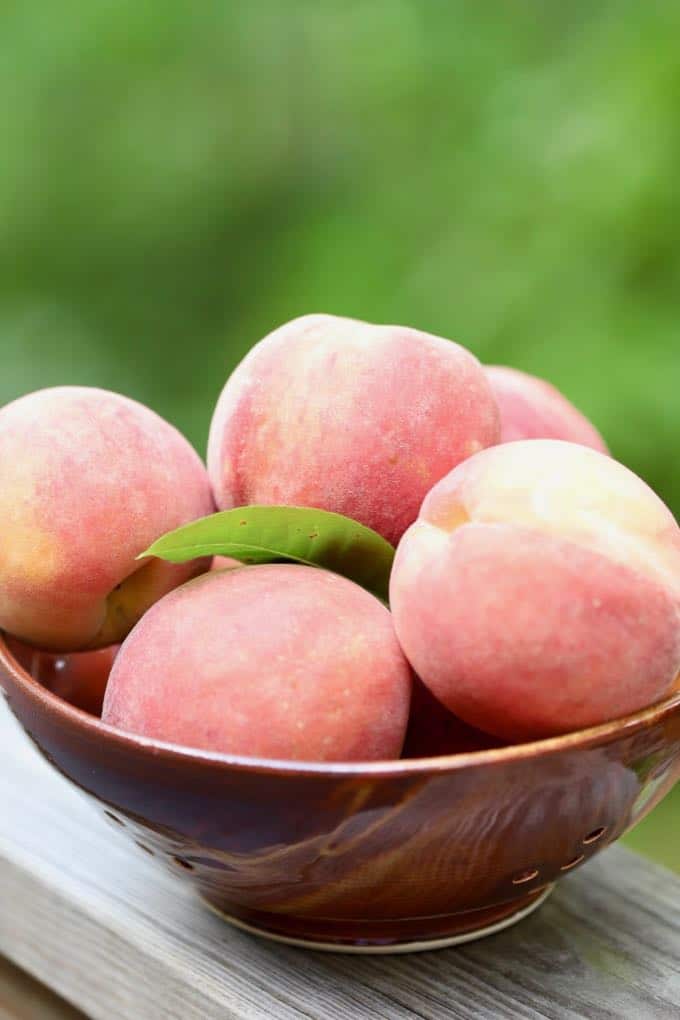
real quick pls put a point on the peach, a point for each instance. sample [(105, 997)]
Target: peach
[(539, 590), (225, 563), (532, 408), (433, 730), (349, 417), (275, 661), (89, 480)]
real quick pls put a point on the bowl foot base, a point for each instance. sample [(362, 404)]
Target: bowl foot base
[(463, 929)]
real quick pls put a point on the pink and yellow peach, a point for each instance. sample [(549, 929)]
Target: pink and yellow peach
[(539, 591), (274, 661), (532, 408), (89, 480), (225, 563), (349, 417)]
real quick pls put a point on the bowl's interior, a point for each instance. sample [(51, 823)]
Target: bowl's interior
[(60, 707)]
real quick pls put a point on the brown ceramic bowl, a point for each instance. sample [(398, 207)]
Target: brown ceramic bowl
[(380, 857)]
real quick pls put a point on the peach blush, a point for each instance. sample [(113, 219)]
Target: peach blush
[(90, 480), (532, 408), (276, 661), (539, 591), (349, 417)]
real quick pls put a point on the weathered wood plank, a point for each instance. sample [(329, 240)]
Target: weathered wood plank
[(22, 998), (120, 939)]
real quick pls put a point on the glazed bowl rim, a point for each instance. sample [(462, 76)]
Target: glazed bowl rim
[(583, 739)]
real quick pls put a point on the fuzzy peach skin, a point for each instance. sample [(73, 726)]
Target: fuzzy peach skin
[(224, 563), (89, 479), (539, 590), (342, 415), (532, 408), (275, 661), (433, 730)]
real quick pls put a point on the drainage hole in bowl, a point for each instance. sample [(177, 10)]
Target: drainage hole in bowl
[(593, 836), (525, 876), (572, 863), (183, 863), (114, 818), (146, 849)]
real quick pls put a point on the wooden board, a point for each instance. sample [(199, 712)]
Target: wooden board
[(97, 922), (22, 998)]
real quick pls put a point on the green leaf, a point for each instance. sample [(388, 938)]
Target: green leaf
[(267, 534)]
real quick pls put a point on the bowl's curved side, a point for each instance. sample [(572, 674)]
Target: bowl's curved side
[(371, 858)]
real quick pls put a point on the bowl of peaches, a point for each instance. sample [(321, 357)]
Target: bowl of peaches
[(402, 654)]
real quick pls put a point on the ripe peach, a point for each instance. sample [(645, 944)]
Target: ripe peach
[(278, 661), (539, 590), (349, 417), (532, 408), (89, 480), (433, 730), (224, 563)]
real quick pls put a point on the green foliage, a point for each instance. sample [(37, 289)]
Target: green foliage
[(267, 534), (178, 179)]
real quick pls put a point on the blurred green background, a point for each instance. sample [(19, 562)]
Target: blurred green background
[(176, 180)]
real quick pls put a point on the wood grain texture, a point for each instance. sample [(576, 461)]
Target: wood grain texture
[(119, 938), (22, 998)]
